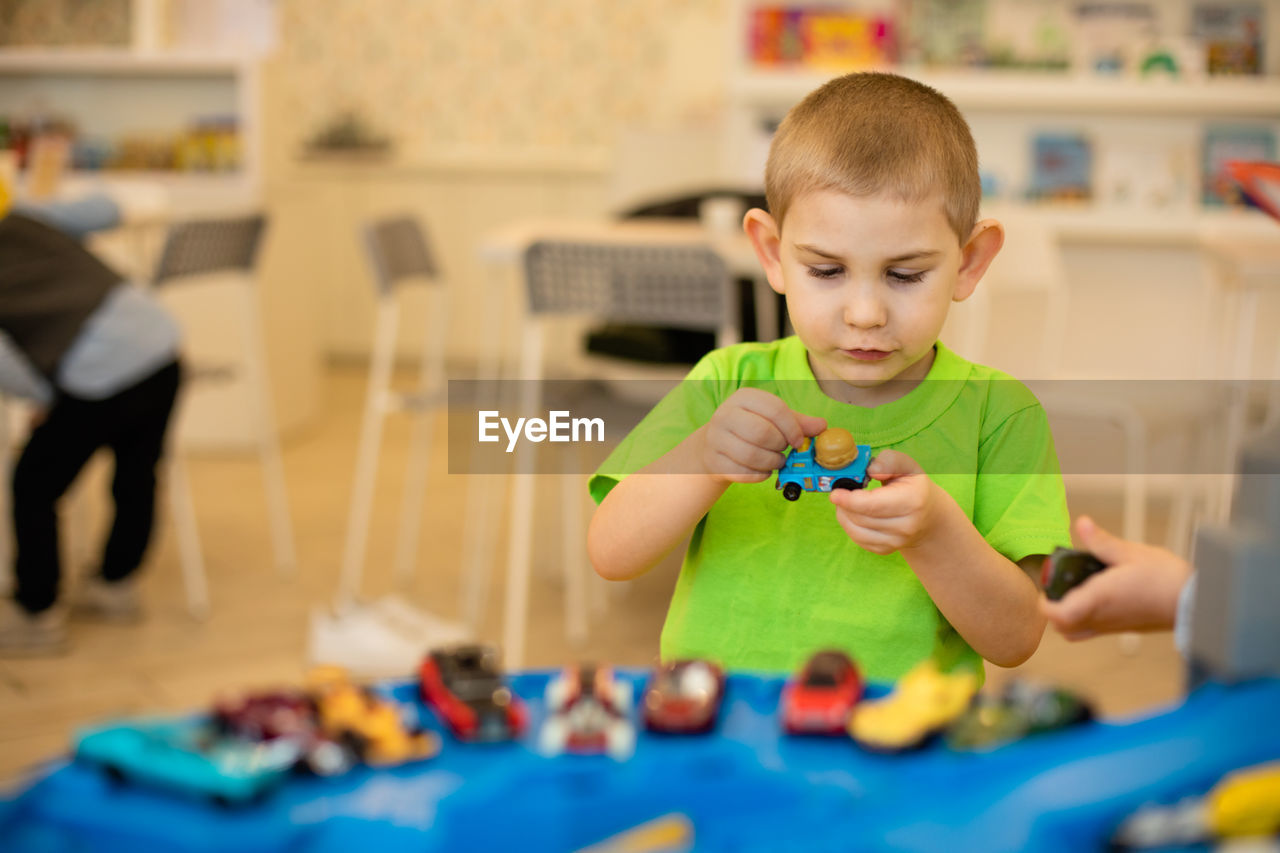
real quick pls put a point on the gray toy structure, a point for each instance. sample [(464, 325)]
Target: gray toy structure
[(1235, 615)]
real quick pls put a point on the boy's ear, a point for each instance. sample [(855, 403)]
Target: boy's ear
[(766, 239), (976, 255)]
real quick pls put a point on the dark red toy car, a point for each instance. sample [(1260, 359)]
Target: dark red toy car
[(266, 715), (821, 697), (683, 696), (291, 715), (464, 685)]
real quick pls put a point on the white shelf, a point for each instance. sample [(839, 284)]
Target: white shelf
[(1046, 92), (122, 62)]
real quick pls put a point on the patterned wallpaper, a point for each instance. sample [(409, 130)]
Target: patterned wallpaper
[(80, 23), (492, 75)]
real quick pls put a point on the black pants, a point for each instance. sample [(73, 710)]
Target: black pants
[(132, 424)]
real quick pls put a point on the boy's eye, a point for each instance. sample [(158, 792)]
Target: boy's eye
[(825, 272), (906, 277)]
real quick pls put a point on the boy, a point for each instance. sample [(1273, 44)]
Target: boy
[(873, 190), (100, 357)]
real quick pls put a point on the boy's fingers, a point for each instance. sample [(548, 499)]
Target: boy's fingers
[(876, 503), (775, 411), (758, 430), (1105, 546), (891, 464)]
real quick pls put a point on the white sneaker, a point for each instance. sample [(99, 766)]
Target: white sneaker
[(115, 601), (23, 634)]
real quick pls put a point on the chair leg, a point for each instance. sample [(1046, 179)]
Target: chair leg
[(431, 382), (184, 522), (575, 564), (268, 440), (366, 472), (481, 520), (1135, 478), (519, 545)]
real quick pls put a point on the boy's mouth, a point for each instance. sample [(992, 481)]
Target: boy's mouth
[(867, 354)]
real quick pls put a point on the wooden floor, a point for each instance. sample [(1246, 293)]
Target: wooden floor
[(256, 633)]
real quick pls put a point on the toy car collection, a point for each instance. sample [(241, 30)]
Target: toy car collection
[(830, 461), (465, 687), (683, 696), (821, 697), (1020, 710), (923, 702), (1066, 569), (588, 712)]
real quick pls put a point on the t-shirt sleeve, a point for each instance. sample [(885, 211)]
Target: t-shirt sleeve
[(1021, 504), (685, 408)]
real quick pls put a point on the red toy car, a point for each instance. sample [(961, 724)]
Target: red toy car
[(683, 696), (820, 699), (465, 687)]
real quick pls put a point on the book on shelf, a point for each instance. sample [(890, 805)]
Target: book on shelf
[(1061, 167), (1231, 33), (1223, 144), (820, 37)]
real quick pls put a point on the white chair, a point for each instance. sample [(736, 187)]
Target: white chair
[(1031, 265), (399, 258), (674, 285), (226, 247)]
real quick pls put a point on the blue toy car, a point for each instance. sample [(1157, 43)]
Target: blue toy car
[(188, 756), (801, 472)]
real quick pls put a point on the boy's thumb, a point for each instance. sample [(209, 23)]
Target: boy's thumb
[(1105, 546), (890, 464), (812, 424)]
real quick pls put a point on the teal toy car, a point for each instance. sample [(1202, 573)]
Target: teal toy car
[(188, 756), (802, 473)]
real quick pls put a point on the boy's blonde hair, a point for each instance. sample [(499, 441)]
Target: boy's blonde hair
[(872, 132)]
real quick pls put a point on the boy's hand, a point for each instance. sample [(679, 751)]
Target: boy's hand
[(1138, 591), (895, 516), (746, 438)]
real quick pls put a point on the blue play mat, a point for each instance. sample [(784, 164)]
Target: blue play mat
[(744, 787)]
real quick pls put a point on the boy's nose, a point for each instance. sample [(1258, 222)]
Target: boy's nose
[(864, 310)]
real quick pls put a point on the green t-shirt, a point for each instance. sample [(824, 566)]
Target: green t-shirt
[(766, 582)]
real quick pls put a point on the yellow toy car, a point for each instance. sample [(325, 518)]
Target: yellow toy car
[(372, 727), (924, 701), (1246, 802)]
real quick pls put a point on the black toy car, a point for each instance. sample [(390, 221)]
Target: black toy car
[(464, 684), (1066, 569)]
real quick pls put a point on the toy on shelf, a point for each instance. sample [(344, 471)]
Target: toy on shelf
[(833, 460), (1020, 710), (1065, 569), (924, 702), (374, 729), (588, 711), (683, 697), (283, 715), (1243, 804), (188, 756), (464, 685), (821, 697)]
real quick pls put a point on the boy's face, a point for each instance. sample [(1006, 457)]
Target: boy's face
[(868, 282)]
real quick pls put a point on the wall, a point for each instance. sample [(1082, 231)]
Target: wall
[(497, 111)]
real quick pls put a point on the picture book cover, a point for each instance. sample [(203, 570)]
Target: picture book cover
[(1061, 167), (1224, 143)]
